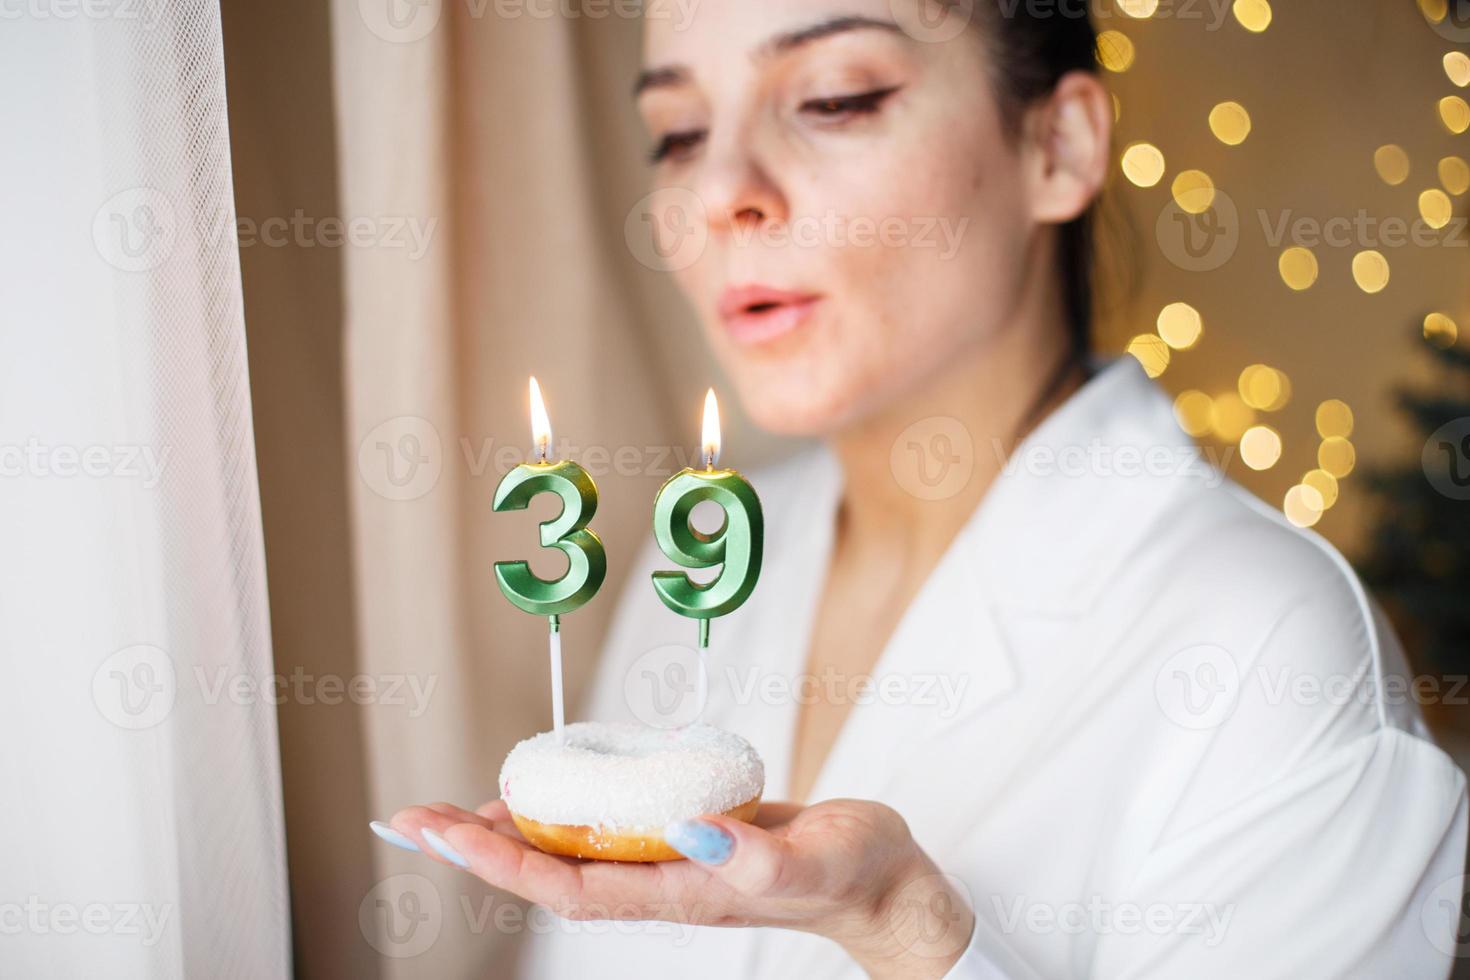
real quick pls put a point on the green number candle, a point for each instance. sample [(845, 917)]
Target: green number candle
[(568, 532), (736, 545)]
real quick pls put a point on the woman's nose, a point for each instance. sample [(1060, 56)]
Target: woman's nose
[(738, 191)]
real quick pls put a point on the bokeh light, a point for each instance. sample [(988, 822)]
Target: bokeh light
[(1440, 330), (1138, 8), (1454, 112), (1303, 505), (1192, 410), (1230, 416), (1143, 164), (1260, 447), (1114, 51), (1334, 418), (1337, 456), (1264, 388), (1298, 267), (1392, 163), (1435, 208), (1151, 352), (1253, 15), (1179, 325), (1454, 174), (1370, 271), (1457, 66), (1230, 123), (1193, 191), (1325, 484)]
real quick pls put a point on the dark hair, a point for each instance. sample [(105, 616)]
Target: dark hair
[(1032, 46)]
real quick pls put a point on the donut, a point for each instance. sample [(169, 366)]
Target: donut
[(609, 789)]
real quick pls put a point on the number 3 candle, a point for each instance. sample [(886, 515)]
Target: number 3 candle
[(568, 531), (736, 545)]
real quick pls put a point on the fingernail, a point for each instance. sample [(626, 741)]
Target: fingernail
[(700, 841), (445, 851), (392, 836)]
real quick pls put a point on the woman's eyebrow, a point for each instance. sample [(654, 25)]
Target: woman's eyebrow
[(669, 76)]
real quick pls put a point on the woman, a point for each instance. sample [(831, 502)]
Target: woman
[(1089, 752)]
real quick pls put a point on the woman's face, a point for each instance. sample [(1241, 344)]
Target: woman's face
[(867, 220)]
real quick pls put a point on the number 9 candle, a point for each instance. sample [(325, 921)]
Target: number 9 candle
[(568, 531), (736, 545)]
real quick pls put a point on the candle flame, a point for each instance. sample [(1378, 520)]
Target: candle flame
[(540, 423), (711, 435)]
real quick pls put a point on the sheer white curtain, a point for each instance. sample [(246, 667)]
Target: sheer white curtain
[(141, 812)]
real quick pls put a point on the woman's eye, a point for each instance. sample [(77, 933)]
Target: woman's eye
[(837, 106), (676, 145)]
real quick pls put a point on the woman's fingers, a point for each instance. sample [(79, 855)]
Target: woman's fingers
[(578, 889), (411, 823), (776, 813), (750, 859)]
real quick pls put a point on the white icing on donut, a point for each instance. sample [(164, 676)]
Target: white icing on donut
[(629, 777)]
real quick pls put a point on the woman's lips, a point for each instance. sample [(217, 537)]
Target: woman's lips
[(755, 314)]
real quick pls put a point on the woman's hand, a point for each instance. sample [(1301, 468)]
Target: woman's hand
[(845, 869)]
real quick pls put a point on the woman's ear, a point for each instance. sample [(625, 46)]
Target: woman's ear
[(1069, 140)]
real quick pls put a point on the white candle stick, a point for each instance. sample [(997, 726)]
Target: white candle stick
[(558, 707)]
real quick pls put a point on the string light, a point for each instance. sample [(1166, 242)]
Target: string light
[(1454, 113), (1370, 271), (1253, 15), (1151, 352), (1260, 447), (1193, 191), (1139, 9), (1264, 388), (1303, 505), (1115, 51), (1454, 174), (1193, 409), (1143, 164), (1435, 208), (1230, 416), (1180, 326), (1337, 456), (1392, 164), (1334, 419), (1230, 123), (1325, 484), (1457, 66), (1440, 330), (1298, 267)]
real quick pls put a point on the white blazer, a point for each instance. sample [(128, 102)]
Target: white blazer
[(1147, 724)]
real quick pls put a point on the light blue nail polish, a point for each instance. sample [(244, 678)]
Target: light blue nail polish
[(445, 851), (392, 836), (700, 841)]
